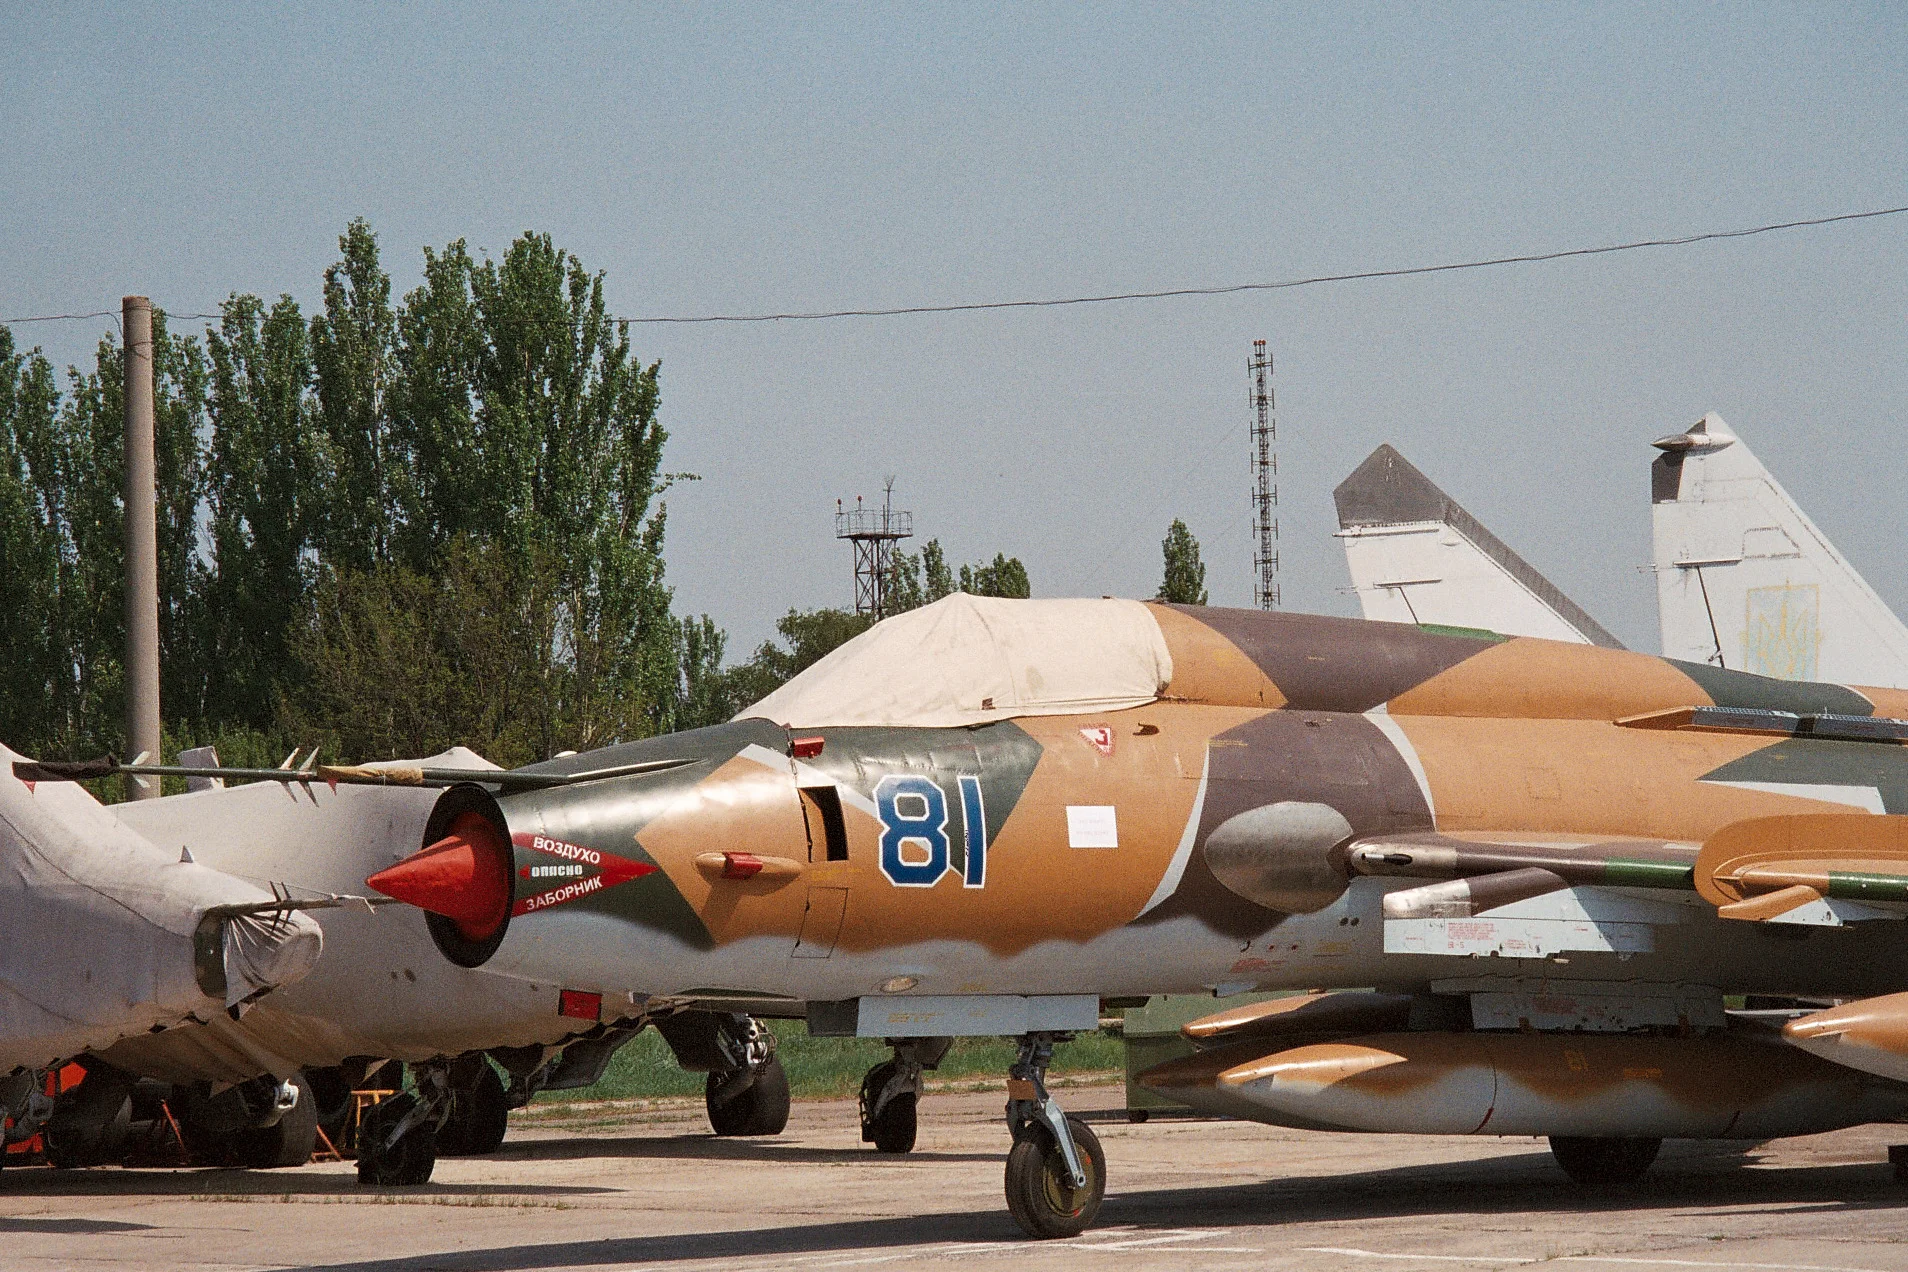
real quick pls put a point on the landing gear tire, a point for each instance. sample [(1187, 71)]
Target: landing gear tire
[(287, 1142), (1597, 1161), (92, 1129), (331, 1102), (892, 1130), (405, 1163), (478, 1119), (1039, 1195), (760, 1108)]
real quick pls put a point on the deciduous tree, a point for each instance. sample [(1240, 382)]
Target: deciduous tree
[(1184, 579)]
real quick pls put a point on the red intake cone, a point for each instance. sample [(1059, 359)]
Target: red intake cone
[(465, 876)]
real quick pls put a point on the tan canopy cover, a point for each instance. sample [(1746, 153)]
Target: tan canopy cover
[(969, 660)]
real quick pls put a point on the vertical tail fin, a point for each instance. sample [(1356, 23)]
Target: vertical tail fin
[(1745, 580), (1416, 556)]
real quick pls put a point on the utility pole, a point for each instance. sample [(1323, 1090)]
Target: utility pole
[(142, 548), (1265, 487)]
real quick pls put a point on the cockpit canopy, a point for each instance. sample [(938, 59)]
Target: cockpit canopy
[(969, 660)]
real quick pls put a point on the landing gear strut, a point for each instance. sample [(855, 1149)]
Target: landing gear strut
[(891, 1093), (751, 1099), (397, 1140), (1056, 1172), (480, 1109)]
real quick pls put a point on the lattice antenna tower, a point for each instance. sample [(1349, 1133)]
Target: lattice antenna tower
[(1265, 484), (874, 532)]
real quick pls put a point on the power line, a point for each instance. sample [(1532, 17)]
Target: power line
[(1228, 289), (1314, 280), (103, 313)]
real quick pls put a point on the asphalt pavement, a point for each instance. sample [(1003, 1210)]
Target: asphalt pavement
[(646, 1186)]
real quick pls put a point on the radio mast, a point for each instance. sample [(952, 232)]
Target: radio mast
[(1265, 472)]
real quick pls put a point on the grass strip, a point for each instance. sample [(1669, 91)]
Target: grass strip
[(820, 1068)]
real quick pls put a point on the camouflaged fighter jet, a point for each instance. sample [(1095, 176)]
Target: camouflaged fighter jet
[(990, 817)]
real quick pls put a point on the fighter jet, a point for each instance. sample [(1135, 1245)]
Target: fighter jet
[(1745, 580), (108, 938), (310, 834), (1416, 556), (991, 817)]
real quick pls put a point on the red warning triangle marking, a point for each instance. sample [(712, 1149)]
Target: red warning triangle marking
[(576, 872)]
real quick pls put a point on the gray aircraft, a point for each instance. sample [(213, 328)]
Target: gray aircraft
[(379, 992), (109, 937)]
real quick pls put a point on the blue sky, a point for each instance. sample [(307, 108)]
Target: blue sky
[(736, 158)]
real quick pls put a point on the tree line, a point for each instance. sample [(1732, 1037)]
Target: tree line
[(387, 527)]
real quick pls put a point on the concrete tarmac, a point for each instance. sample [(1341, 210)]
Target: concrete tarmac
[(608, 1188)]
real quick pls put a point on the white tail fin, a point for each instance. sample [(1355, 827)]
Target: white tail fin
[(1745, 580), (1416, 556)]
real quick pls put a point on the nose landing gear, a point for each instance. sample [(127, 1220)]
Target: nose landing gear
[(1056, 1171), (891, 1093)]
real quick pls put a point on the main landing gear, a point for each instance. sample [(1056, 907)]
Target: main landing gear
[(752, 1098), (1056, 1173), (891, 1093), (397, 1139)]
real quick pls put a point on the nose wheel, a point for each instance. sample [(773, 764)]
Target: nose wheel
[(891, 1093), (1056, 1171)]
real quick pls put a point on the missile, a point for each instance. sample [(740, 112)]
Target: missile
[(1600, 1085), (1464, 898), (1621, 864)]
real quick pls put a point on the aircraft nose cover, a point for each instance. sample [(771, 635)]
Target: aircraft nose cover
[(465, 876)]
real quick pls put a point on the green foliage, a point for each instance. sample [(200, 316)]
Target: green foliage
[(821, 1067), (1184, 580), (264, 503), (903, 591), (353, 361), (30, 562), (937, 580), (390, 527), (919, 579), (1006, 576), (810, 635), (62, 538), (396, 662)]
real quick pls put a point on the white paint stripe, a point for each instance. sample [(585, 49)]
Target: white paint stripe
[(1867, 798), (1406, 752), (1429, 1258), (1625, 1260), (760, 754), (1195, 1234), (1704, 1263), (1160, 1240), (809, 775), (806, 775), (1176, 869)]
